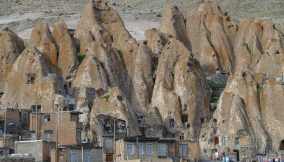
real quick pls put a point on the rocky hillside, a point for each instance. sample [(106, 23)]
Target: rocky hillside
[(272, 9), (200, 77)]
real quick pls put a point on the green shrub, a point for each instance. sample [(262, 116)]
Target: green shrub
[(81, 57)]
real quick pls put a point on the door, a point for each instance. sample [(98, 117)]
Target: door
[(109, 157)]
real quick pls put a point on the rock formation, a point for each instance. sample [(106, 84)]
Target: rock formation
[(211, 33), (173, 23), (32, 81), (160, 87), (247, 107), (41, 38), (180, 91), (67, 51), (258, 46), (143, 78), (102, 23), (114, 104), (10, 48), (155, 41)]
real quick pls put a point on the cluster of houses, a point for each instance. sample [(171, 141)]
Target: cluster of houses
[(31, 135)]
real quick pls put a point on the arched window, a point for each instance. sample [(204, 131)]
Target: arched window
[(281, 146)]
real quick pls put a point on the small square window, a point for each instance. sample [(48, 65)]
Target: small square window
[(36, 108), (172, 123), (71, 107), (46, 118)]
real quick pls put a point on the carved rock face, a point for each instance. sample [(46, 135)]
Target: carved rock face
[(32, 81), (114, 104), (180, 89), (10, 48)]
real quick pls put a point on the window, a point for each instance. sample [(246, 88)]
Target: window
[(216, 140), (141, 149), (184, 120), (224, 140), (149, 149), (74, 117), (172, 123), (119, 98), (65, 89), (1, 94), (36, 108), (30, 78), (281, 146), (48, 134), (130, 149), (181, 137), (202, 120), (237, 141), (71, 107), (162, 150), (140, 119), (183, 150), (46, 118)]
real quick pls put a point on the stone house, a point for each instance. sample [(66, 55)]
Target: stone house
[(39, 149), (78, 153), (46, 126), (151, 149)]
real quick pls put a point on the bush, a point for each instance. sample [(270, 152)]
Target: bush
[(81, 57)]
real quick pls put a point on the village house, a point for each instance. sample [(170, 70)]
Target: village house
[(13, 124), (151, 149), (46, 126), (39, 149), (78, 153)]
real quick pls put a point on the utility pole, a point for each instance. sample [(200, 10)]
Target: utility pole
[(56, 146), (36, 123), (82, 149), (5, 127), (114, 140)]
